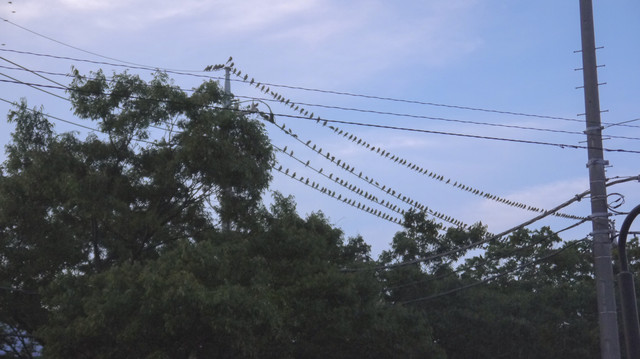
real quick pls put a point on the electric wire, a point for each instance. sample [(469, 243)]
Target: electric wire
[(34, 86), (384, 153), (83, 50), (456, 134), (330, 193), (395, 114), (169, 71), (560, 145), (69, 122), (416, 102), (622, 123), (323, 190), (576, 198), (55, 82), (462, 268), (495, 276), (187, 73), (370, 180), (439, 177), (337, 180)]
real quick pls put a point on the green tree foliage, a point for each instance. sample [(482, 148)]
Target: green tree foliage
[(537, 299), (149, 240), (112, 246)]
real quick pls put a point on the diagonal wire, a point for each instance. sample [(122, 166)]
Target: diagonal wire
[(496, 276)]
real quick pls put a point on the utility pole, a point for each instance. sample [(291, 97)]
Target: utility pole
[(226, 191), (607, 313), (227, 86)]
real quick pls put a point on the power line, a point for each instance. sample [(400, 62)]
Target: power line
[(496, 276), (621, 123), (386, 154), (83, 50), (466, 188), (369, 180), (69, 122), (486, 259), (455, 134), (363, 124), (34, 86), (416, 102), (576, 198), (113, 64), (187, 73), (350, 202), (395, 114), (373, 198)]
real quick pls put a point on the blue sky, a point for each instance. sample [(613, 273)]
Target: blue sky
[(510, 56)]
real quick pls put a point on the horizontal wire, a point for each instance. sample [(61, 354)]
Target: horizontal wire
[(505, 139), (187, 73), (395, 114), (83, 50), (476, 191), (496, 276), (576, 198), (175, 72), (424, 103), (443, 119), (560, 145), (487, 259), (34, 86), (70, 122), (621, 123), (436, 214)]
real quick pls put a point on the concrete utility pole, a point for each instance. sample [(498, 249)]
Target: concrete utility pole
[(607, 313), (226, 191)]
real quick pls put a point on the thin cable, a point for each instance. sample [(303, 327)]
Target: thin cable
[(373, 198), (114, 65), (505, 139), (187, 73), (396, 114), (420, 102), (496, 276), (329, 193), (622, 123), (70, 122), (33, 72), (560, 145), (86, 51), (369, 180), (34, 86), (576, 198), (481, 242), (487, 259)]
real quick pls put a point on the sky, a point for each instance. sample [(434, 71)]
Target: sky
[(466, 67)]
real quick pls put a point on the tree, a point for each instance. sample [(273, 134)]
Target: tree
[(112, 246), (78, 208), (538, 300)]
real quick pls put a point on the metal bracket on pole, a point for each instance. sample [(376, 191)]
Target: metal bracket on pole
[(591, 130), (597, 161)]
